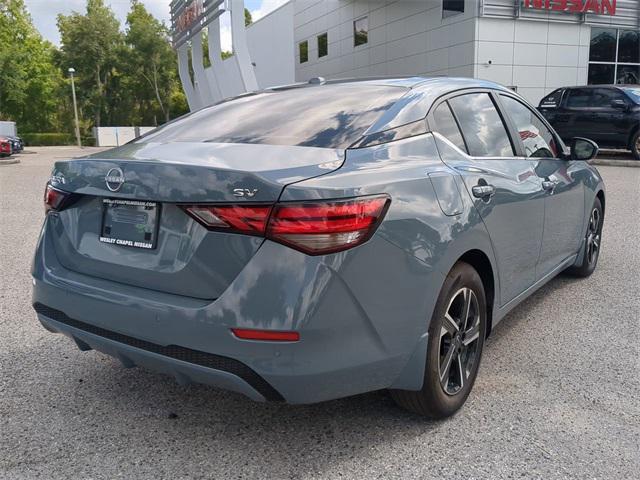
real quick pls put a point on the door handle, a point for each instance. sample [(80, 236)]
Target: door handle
[(483, 191), (549, 185)]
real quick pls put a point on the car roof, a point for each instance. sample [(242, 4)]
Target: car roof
[(621, 86)]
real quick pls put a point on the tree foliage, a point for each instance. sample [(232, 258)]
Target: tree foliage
[(122, 77)]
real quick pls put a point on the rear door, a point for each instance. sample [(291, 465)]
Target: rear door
[(473, 139), (583, 120), (560, 179)]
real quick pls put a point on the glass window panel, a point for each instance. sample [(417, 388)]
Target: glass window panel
[(601, 74), (361, 31), (603, 45), (537, 139), (628, 75), (323, 45), (331, 116), (456, 6), (304, 51), (629, 47), (446, 125), (603, 97), (579, 98), (481, 125)]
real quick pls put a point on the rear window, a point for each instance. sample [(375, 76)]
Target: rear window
[(552, 100), (482, 127), (330, 116), (580, 98)]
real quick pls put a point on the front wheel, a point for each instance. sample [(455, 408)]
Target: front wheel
[(635, 145), (456, 338), (592, 241)]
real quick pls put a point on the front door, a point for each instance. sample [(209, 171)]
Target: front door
[(561, 184), (505, 190)]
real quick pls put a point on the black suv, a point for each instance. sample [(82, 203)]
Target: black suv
[(607, 114)]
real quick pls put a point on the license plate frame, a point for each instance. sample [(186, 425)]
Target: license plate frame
[(130, 223)]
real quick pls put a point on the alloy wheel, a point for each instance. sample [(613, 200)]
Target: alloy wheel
[(459, 340), (593, 236)]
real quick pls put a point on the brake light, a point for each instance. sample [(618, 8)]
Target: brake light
[(313, 227), (54, 199), (247, 219), (318, 228)]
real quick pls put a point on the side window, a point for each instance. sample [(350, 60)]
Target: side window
[(580, 98), (481, 125), (602, 97), (552, 101), (537, 139), (446, 125)]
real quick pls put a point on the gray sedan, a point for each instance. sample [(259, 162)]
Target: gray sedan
[(319, 240)]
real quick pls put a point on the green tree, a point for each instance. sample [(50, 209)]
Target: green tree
[(152, 62), (91, 44), (28, 80), (248, 19)]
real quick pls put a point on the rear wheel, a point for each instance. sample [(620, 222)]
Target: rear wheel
[(635, 145), (456, 339), (592, 241)]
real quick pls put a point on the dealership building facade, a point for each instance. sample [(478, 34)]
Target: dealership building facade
[(533, 46)]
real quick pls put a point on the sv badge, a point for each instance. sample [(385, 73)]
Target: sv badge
[(245, 192)]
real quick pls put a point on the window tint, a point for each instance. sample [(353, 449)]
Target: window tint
[(537, 139), (602, 97), (446, 125), (601, 73), (361, 31), (323, 45), (553, 100), (579, 98), (603, 45), (303, 48), (329, 116), (634, 93), (481, 125), (452, 7), (629, 47), (628, 75)]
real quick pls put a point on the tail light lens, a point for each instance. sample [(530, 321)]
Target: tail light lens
[(247, 219), (54, 199), (318, 228), (314, 227)]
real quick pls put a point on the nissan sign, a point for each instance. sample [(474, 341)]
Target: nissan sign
[(598, 7)]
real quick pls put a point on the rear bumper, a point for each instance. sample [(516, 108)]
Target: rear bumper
[(360, 326), (185, 365)]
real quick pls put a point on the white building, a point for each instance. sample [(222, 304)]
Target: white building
[(532, 45)]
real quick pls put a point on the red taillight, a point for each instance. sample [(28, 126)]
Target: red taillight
[(248, 219), (313, 227), (319, 228), (266, 335), (54, 199)]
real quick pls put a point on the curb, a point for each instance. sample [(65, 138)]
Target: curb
[(615, 163), (9, 161)]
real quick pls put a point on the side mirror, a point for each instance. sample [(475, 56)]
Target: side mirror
[(619, 104), (583, 149)]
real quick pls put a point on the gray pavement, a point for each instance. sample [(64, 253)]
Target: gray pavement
[(556, 397)]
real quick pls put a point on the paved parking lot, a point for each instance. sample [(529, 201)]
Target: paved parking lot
[(557, 395)]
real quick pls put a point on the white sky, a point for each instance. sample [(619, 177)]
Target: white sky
[(44, 13)]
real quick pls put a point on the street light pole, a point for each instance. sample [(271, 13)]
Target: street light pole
[(75, 106)]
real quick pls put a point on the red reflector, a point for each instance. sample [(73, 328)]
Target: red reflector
[(248, 219), (53, 199), (266, 335)]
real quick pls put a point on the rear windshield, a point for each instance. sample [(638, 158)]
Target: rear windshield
[(329, 116)]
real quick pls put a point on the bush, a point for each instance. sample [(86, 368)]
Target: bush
[(47, 139), (88, 141)]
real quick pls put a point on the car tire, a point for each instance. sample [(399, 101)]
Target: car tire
[(454, 350), (635, 145), (593, 242)]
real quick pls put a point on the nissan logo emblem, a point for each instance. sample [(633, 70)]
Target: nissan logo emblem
[(114, 179)]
